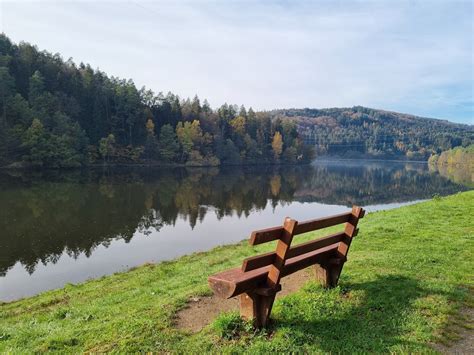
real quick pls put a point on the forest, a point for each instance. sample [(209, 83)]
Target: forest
[(54, 113), (365, 132)]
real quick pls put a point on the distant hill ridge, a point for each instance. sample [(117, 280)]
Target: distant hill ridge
[(362, 131), (316, 112)]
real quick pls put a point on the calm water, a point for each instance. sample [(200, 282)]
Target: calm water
[(66, 227)]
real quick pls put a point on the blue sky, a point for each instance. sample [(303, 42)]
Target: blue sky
[(407, 56)]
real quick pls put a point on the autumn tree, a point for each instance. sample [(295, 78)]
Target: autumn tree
[(277, 145), (238, 125), (189, 136)]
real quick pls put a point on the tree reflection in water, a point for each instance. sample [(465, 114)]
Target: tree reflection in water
[(43, 215)]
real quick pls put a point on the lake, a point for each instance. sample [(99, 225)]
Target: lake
[(67, 227)]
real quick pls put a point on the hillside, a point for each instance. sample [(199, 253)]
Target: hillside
[(361, 131), (56, 113)]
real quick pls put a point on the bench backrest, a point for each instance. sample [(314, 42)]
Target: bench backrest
[(284, 234)]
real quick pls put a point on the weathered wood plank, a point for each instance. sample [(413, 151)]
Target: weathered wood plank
[(265, 235), (274, 233), (258, 261), (233, 282), (351, 229), (281, 253), (314, 257), (320, 223)]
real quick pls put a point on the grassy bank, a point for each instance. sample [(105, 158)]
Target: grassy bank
[(410, 271)]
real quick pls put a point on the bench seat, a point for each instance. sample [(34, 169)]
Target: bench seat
[(233, 282)]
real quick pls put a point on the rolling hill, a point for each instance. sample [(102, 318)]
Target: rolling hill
[(365, 132)]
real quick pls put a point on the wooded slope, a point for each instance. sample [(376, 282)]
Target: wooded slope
[(365, 131)]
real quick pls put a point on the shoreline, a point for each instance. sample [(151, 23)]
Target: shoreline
[(142, 165), (19, 166)]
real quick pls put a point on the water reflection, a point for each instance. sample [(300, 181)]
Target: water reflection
[(458, 173), (44, 217)]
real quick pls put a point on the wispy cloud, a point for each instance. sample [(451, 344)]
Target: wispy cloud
[(413, 56)]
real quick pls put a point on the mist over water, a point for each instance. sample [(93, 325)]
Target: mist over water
[(61, 227)]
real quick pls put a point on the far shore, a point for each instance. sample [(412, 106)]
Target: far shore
[(26, 166)]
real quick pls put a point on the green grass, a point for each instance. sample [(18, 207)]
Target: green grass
[(409, 273)]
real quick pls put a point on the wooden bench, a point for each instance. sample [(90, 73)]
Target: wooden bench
[(258, 280)]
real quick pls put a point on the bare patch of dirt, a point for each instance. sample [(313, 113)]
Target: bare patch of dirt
[(464, 336), (201, 311)]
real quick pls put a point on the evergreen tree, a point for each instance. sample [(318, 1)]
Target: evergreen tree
[(151, 143), (7, 85), (168, 144), (107, 147)]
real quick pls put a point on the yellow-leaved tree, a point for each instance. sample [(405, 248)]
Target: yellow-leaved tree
[(277, 145)]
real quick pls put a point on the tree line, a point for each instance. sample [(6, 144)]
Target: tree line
[(361, 131), (54, 113)]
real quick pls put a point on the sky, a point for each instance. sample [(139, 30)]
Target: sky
[(407, 56)]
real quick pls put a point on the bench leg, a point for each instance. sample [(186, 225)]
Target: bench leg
[(256, 307), (328, 274)]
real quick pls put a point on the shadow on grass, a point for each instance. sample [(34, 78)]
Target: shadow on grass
[(374, 316)]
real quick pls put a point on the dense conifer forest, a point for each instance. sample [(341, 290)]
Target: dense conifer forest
[(55, 113)]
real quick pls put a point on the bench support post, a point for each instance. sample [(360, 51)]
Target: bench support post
[(327, 274), (256, 307), (257, 304)]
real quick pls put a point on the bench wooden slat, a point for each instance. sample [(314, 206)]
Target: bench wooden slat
[(258, 261), (314, 257), (234, 282), (320, 223), (265, 235), (274, 233)]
